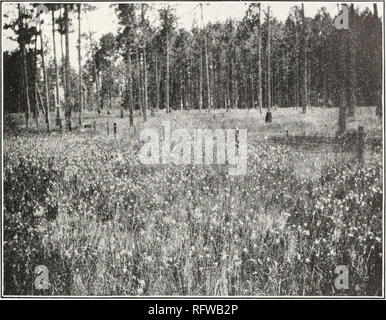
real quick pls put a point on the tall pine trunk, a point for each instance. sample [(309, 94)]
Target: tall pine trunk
[(157, 79), (324, 76), (303, 100), (139, 81), (167, 73), (269, 61), (297, 71), (35, 95), (201, 71), (45, 80), (343, 83), (285, 87), (57, 107), (145, 97), (129, 91), (234, 85), (145, 108), (188, 93), (352, 61), (213, 83), (260, 89), (63, 56), (80, 104), (67, 70), (253, 91), (378, 110), (207, 74), (25, 72)]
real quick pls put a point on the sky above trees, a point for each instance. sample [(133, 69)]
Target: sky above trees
[(103, 19)]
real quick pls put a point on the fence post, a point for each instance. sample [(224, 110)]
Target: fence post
[(237, 139), (360, 144), (108, 130), (94, 126), (115, 129)]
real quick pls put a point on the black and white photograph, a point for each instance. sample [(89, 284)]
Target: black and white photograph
[(192, 150)]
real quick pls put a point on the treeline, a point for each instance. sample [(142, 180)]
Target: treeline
[(258, 62)]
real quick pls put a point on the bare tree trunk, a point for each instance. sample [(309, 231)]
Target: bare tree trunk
[(139, 79), (110, 101), (207, 74), (40, 99), (309, 95), (181, 89), (67, 71), (269, 61), (96, 76), (37, 104), (253, 91), (157, 81), (201, 58), (235, 90), (97, 87), (260, 89), (284, 94), (188, 92), (130, 91), (273, 79), (297, 71), (33, 96), (225, 84), (213, 83), (57, 106), (304, 87), (324, 78), (63, 57), (343, 83), (352, 61), (80, 106), (145, 98), (25, 73), (246, 102), (145, 84), (45, 80), (167, 73)]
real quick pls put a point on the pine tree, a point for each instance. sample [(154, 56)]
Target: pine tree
[(67, 68)]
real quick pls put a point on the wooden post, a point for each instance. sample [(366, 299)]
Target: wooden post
[(360, 144), (107, 124), (237, 139), (115, 129), (268, 117), (94, 126)]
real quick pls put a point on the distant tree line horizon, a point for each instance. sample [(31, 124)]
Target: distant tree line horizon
[(256, 62)]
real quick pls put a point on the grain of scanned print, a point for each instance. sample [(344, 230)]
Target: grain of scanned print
[(192, 149)]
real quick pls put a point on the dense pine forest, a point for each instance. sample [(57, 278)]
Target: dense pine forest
[(258, 62)]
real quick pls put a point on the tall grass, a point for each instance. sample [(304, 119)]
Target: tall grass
[(104, 224)]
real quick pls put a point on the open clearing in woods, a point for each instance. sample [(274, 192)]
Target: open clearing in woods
[(82, 204)]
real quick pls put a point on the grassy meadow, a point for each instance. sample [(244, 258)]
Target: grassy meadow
[(83, 205)]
